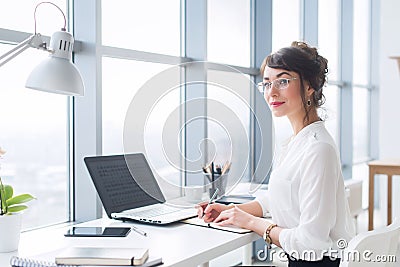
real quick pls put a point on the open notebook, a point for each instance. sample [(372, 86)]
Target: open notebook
[(230, 228), (129, 191)]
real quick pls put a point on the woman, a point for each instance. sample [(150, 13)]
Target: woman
[(306, 195)]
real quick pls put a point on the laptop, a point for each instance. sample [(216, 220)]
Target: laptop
[(132, 193)]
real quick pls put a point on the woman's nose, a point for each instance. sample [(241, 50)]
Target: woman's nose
[(272, 92)]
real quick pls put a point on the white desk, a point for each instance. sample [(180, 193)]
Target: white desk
[(178, 244)]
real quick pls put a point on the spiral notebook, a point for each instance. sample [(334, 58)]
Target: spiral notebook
[(25, 262)]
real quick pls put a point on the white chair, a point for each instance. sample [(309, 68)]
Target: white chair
[(354, 197), (373, 248)]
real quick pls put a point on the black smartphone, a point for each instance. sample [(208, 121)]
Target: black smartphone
[(98, 231)]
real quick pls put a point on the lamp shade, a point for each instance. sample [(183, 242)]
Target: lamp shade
[(57, 73)]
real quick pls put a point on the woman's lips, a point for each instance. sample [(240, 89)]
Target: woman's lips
[(276, 104)]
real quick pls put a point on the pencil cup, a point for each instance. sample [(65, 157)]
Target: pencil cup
[(220, 182)]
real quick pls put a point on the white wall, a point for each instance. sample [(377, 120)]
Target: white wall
[(389, 97)]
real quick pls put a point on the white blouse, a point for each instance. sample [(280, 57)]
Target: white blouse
[(306, 195)]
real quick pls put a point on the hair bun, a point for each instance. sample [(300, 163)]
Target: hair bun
[(320, 62), (312, 52)]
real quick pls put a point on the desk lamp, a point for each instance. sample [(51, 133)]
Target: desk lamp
[(56, 74)]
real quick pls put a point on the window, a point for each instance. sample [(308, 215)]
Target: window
[(330, 110), (329, 45), (285, 23), (361, 94), (34, 131), (123, 78), (328, 40), (18, 15), (361, 140), (228, 32), (228, 113), (360, 124), (361, 42), (141, 39), (151, 25), (34, 124), (285, 30), (229, 36), (119, 92)]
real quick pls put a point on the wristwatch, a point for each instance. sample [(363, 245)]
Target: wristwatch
[(266, 236)]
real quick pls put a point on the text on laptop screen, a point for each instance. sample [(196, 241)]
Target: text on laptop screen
[(122, 188)]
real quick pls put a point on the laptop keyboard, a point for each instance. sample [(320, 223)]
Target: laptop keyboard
[(162, 210)]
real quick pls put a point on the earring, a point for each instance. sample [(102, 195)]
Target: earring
[(309, 102)]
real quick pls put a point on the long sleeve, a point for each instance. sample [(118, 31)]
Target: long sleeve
[(263, 201), (317, 202), (306, 195)]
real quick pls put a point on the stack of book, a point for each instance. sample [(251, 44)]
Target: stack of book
[(94, 256)]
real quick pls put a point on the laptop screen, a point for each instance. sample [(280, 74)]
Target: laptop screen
[(121, 188)]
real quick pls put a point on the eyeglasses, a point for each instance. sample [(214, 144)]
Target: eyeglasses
[(280, 84)]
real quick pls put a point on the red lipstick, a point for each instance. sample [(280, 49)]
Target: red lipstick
[(276, 104)]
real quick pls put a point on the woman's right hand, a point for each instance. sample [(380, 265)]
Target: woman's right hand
[(210, 213)]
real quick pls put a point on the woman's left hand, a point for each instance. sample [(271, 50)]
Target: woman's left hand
[(235, 216)]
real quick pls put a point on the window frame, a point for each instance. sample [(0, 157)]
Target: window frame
[(85, 113), (87, 119)]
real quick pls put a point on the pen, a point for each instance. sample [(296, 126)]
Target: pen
[(218, 169), (137, 230), (212, 171), (214, 196)]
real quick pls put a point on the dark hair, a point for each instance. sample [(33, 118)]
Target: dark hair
[(305, 61)]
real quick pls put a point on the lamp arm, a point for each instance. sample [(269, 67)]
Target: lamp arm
[(34, 41)]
